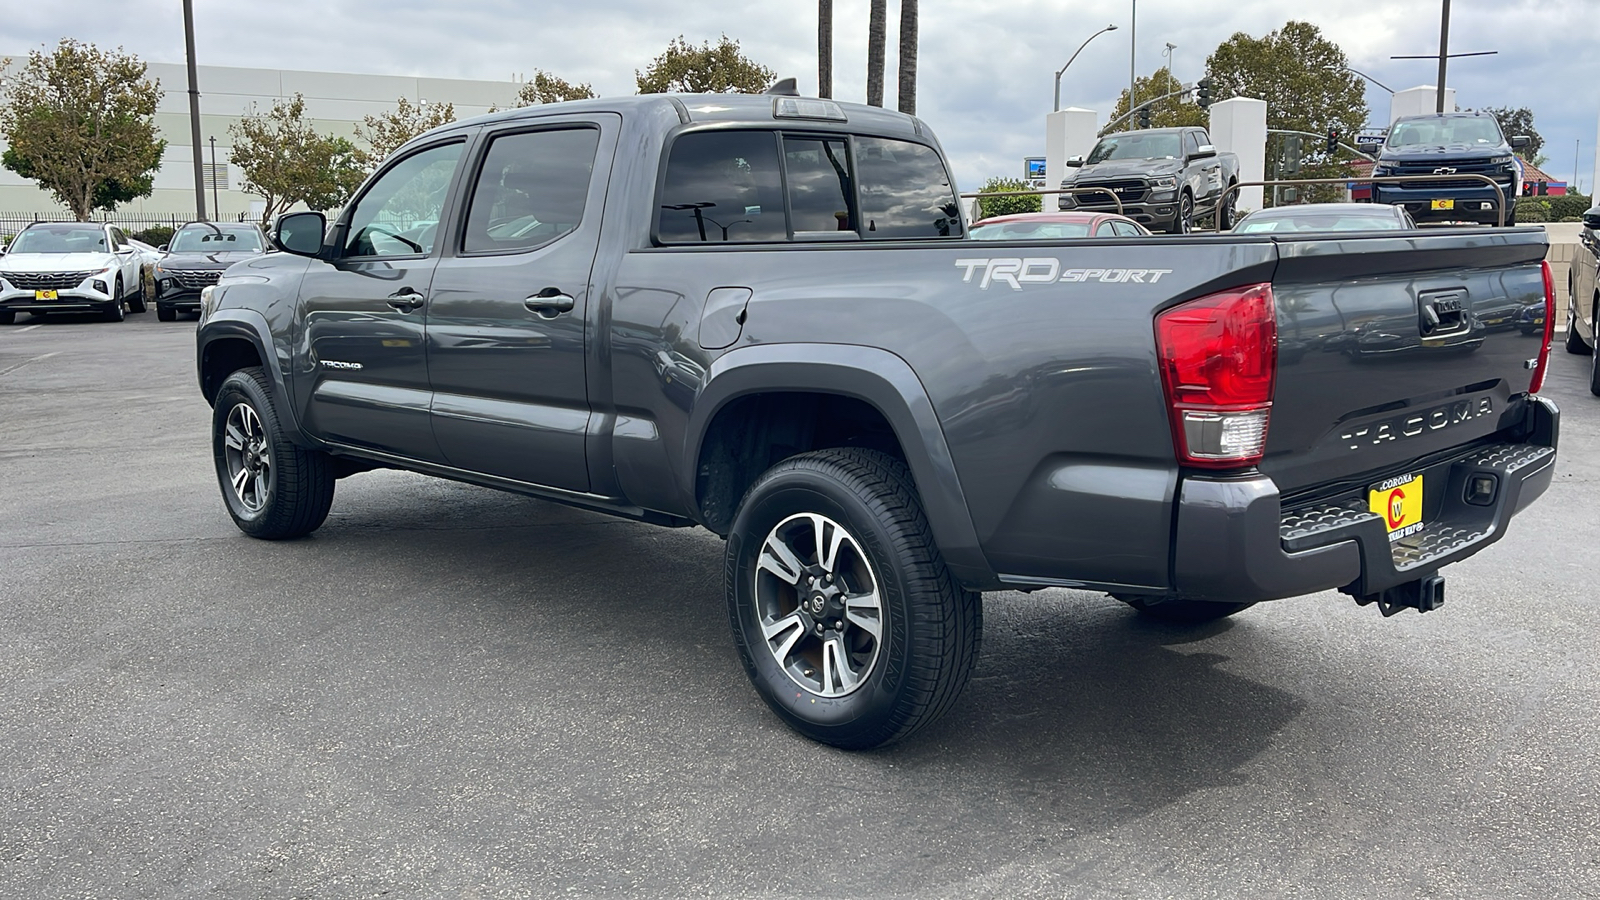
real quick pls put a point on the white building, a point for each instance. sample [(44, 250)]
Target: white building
[(334, 102)]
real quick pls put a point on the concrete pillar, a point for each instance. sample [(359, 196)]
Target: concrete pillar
[(1594, 174), (1239, 126), (1422, 100), (1067, 132)]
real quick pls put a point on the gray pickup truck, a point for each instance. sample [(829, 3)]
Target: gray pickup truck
[(1166, 179), (761, 315)]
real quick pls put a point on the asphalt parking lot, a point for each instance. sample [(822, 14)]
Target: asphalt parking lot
[(451, 692)]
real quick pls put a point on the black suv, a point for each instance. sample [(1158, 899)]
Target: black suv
[(196, 257), (1450, 144)]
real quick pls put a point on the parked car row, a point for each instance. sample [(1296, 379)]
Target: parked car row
[(83, 267)]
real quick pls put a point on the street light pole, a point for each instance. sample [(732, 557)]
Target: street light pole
[(216, 206), (194, 111), (1133, 49), (1075, 53)]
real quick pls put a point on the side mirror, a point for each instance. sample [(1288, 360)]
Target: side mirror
[(1520, 141), (1074, 162), (1204, 151), (162, 248), (1369, 148), (300, 233), (1591, 219)]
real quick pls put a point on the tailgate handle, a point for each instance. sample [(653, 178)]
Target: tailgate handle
[(1442, 312)]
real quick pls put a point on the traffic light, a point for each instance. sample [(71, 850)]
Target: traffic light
[(1202, 93), (1333, 140), (1144, 117)]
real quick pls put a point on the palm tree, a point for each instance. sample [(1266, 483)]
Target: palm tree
[(908, 57), (877, 26), (825, 48)]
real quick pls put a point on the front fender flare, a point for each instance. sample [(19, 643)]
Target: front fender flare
[(251, 326), (874, 376)]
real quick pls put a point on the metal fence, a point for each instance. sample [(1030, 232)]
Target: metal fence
[(13, 222)]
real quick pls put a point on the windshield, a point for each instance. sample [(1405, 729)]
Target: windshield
[(208, 240), (1482, 132), (1135, 146), (60, 239), (1319, 222), (1000, 231)]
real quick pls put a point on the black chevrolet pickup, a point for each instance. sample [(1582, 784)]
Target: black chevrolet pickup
[(761, 315), (1450, 144)]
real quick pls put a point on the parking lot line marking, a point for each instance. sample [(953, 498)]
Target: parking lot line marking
[(5, 372), (27, 328)]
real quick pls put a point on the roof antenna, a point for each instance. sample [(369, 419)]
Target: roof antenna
[(785, 87)]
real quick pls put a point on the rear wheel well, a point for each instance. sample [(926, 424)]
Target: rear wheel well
[(757, 431), (222, 358)]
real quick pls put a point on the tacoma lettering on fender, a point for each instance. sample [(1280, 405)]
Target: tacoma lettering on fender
[(761, 315)]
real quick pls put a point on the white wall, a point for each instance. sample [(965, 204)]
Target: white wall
[(1422, 100), (1239, 126)]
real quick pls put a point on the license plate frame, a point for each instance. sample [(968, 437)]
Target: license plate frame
[(1444, 204), (1398, 502), (47, 295)]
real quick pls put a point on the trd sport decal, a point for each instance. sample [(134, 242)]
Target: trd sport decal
[(1017, 271)]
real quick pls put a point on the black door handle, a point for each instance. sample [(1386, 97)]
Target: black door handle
[(406, 300), (550, 302)]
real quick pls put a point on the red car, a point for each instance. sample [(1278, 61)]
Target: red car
[(1048, 225)]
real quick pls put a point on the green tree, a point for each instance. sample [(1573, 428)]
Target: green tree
[(1519, 121), (287, 161), (1298, 72), (81, 122), (547, 88), (1173, 112), (1304, 80), (385, 133), (706, 69), (989, 207)]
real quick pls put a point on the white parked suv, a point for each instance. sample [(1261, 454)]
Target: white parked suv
[(70, 267)]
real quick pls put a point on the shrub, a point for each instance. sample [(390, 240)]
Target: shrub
[(155, 236), (1531, 210), (1568, 208), (1005, 206)]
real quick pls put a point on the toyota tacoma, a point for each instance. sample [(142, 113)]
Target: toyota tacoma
[(762, 315)]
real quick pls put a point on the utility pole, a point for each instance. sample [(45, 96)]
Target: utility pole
[(194, 112), (1444, 53)]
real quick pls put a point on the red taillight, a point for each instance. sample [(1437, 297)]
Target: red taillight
[(1219, 359), (1537, 381)]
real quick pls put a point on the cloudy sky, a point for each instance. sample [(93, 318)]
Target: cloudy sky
[(986, 67)]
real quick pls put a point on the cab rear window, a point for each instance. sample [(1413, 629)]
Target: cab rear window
[(767, 186)]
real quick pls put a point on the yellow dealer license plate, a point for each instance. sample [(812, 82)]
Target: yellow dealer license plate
[(1444, 204), (1399, 502), (44, 295)]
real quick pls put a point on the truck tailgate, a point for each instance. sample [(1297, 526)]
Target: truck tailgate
[(1395, 348)]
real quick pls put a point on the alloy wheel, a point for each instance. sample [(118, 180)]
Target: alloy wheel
[(818, 604), (249, 457)]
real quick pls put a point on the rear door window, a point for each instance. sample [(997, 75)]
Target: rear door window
[(722, 186), (531, 190), (905, 191)]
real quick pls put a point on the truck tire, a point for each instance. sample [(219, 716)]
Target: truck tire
[(1224, 220), (848, 623), (166, 313), (1594, 364), (1183, 222), (274, 488), (1184, 612), (8, 316), (1575, 342)]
